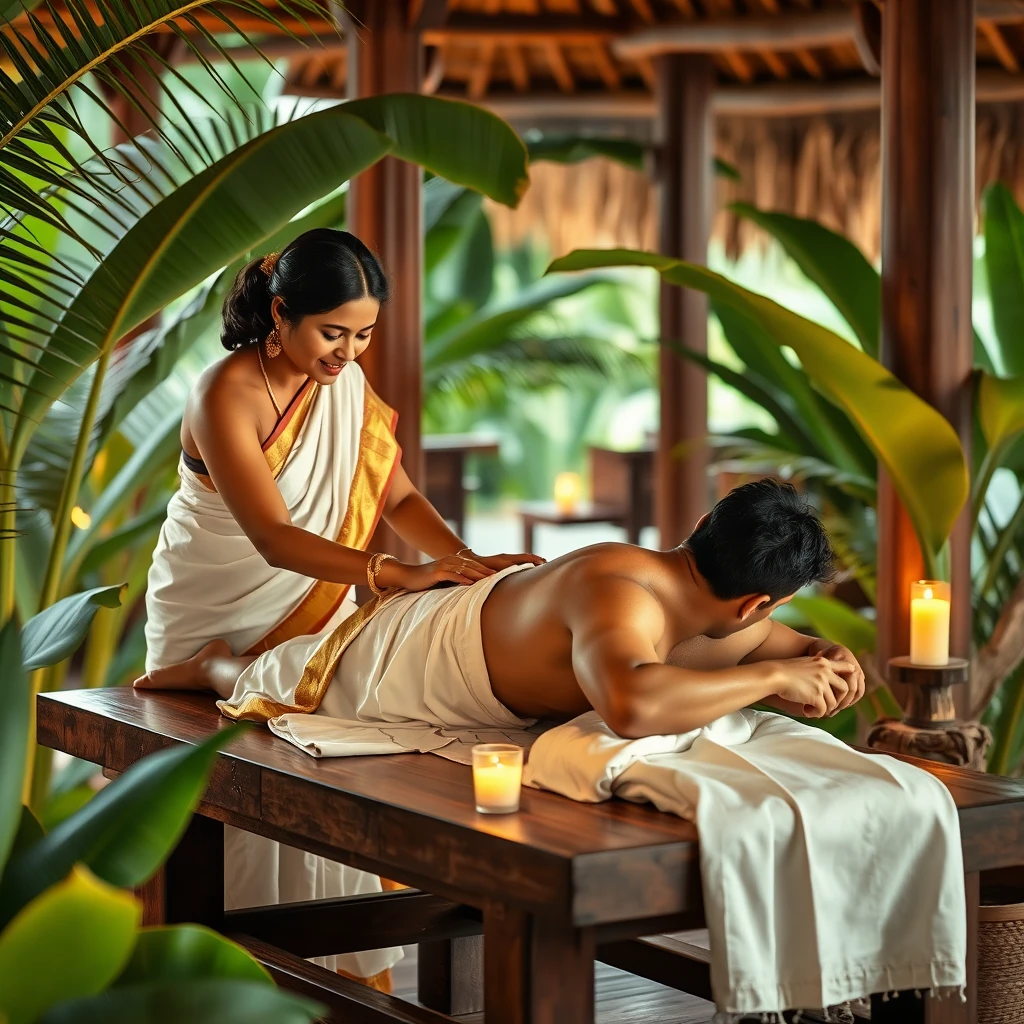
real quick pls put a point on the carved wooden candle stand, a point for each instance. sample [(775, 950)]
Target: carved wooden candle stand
[(929, 727)]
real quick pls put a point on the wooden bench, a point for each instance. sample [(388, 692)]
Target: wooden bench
[(551, 889)]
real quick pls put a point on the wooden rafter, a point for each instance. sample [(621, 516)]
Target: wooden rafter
[(517, 67), (739, 64), (313, 69), (339, 77), (481, 75), (686, 7), (605, 7), (867, 36), (827, 27), (559, 67), (775, 63), (643, 10), (990, 30), (606, 67), (431, 14), (811, 63)]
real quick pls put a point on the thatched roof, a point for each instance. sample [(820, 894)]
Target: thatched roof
[(796, 99)]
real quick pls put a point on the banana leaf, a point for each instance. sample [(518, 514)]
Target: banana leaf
[(71, 941), (918, 447), (14, 732), (124, 834), (834, 264), (57, 632), (204, 1001), (1004, 263)]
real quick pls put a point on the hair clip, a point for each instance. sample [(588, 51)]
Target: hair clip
[(269, 262)]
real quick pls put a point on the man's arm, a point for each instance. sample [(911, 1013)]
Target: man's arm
[(615, 634), (783, 643)]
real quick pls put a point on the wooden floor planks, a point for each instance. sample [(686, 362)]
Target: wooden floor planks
[(621, 998)]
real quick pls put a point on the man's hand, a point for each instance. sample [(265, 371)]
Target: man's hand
[(854, 676), (814, 683)]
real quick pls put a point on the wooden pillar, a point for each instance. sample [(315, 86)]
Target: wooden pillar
[(927, 255), (385, 56), (685, 83)]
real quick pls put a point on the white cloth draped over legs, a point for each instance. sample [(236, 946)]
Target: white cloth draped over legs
[(333, 455)]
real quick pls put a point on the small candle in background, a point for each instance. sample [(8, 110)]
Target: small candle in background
[(568, 491), (929, 622), (497, 777)]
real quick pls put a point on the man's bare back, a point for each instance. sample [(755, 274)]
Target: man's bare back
[(529, 618)]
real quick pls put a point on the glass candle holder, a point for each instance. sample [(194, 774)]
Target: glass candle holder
[(568, 492), (497, 777), (929, 622)]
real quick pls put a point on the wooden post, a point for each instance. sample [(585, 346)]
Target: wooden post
[(685, 83), (927, 253), (384, 210)]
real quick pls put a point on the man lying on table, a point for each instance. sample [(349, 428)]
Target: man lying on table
[(655, 641)]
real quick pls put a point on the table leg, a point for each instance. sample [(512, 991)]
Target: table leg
[(527, 535), (460, 477), (194, 876), (450, 975), (536, 970)]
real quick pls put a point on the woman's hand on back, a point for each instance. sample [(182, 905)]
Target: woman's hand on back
[(463, 569), (499, 562)]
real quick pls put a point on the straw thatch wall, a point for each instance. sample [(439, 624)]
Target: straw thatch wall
[(826, 168)]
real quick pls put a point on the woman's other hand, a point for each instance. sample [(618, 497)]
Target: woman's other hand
[(463, 569), (499, 562)]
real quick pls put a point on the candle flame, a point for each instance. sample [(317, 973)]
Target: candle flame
[(928, 595)]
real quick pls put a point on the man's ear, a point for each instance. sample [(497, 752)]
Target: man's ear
[(754, 603)]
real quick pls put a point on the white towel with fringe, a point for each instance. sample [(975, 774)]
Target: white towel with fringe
[(827, 874)]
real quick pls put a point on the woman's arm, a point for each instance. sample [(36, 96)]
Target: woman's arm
[(416, 521), (225, 428)]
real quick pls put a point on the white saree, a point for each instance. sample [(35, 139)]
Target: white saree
[(333, 455)]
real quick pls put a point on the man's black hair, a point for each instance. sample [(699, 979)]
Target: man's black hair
[(761, 538)]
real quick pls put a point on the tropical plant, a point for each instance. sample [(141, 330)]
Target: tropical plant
[(929, 473), (71, 948)]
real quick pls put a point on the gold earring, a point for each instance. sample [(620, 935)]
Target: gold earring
[(273, 343)]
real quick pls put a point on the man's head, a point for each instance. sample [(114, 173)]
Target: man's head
[(755, 549)]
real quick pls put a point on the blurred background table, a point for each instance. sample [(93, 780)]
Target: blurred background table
[(444, 457)]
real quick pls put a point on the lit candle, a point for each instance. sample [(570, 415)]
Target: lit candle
[(929, 623), (568, 490), (497, 777)]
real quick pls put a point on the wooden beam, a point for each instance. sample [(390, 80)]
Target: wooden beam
[(685, 84), (435, 73), (522, 27), (928, 139), (739, 64), (775, 63), (607, 68), (559, 67), (432, 14), (517, 67), (481, 75), (867, 36), (777, 32), (811, 63), (1001, 11), (990, 30), (385, 211)]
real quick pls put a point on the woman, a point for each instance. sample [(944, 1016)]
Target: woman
[(289, 460)]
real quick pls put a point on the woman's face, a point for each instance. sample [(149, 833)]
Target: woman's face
[(321, 345)]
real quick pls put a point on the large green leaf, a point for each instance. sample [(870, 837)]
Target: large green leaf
[(492, 324), (1000, 404), (71, 941), (1004, 262), (917, 445), (124, 833), (834, 264), (465, 144), (55, 633), (183, 953), (835, 619), (572, 149), (15, 721), (207, 1001)]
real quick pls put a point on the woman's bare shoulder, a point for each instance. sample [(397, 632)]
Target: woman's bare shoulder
[(228, 380)]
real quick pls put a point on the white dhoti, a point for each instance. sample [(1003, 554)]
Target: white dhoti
[(333, 455)]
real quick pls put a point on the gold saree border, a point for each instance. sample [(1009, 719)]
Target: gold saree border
[(376, 464), (316, 674)]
